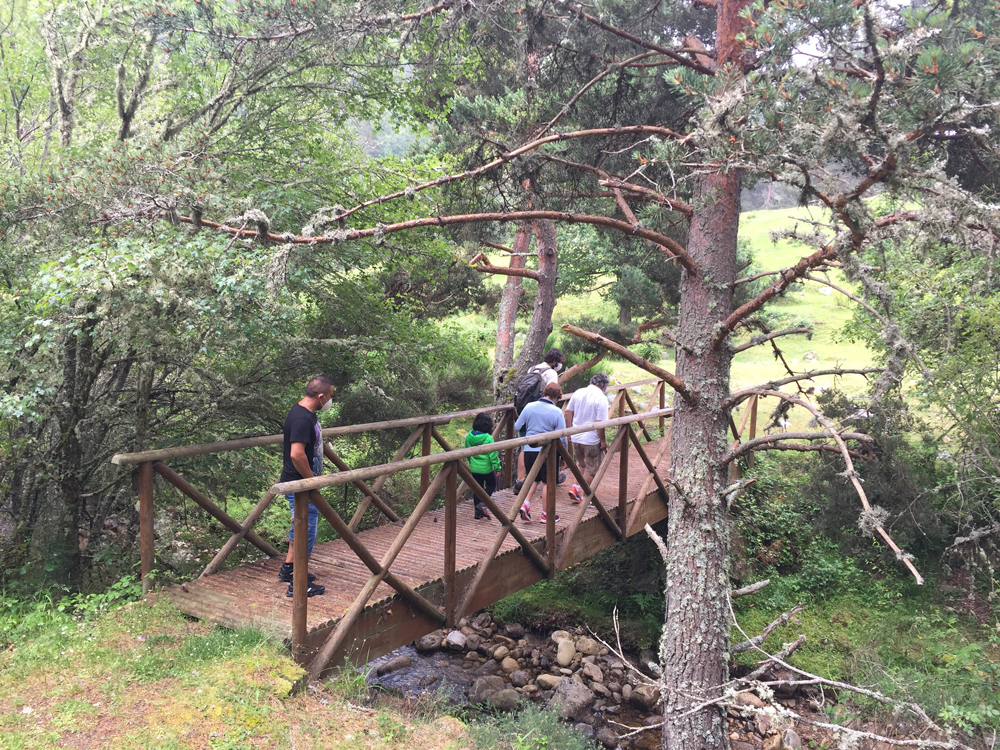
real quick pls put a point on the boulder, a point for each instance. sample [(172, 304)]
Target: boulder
[(467, 630), (615, 687), (571, 698), (455, 641), (504, 700), (530, 689), (592, 672), (519, 678), (489, 667), (644, 697), (509, 665), (791, 740), (428, 643), (560, 635), (500, 653), (428, 679), (588, 646), (598, 688), (472, 642), (585, 729), (607, 737), (514, 630), (548, 681), (484, 687), (393, 664), (772, 743), (565, 653)]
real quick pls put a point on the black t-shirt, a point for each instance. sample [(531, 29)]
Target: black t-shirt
[(300, 427)]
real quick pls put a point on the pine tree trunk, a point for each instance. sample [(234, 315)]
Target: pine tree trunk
[(513, 290), (694, 643)]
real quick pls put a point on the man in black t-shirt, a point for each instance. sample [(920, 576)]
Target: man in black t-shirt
[(302, 454)]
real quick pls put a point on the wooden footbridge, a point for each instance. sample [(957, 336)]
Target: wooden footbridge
[(390, 584)]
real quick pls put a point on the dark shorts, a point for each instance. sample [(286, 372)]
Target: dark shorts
[(529, 460)]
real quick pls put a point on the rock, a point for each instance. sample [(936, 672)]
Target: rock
[(517, 653), (588, 646), (500, 653), (742, 745), (578, 678), (585, 729), (617, 697), (647, 655), (504, 700), (455, 641), (560, 635), (484, 687), (626, 692), (486, 649), (519, 678), (615, 687), (536, 653), (472, 642), (587, 718), (792, 741), (607, 737), (471, 656), (509, 665), (489, 667), (466, 630), (428, 679), (565, 671), (772, 743), (508, 642), (782, 689), (612, 709), (514, 630), (544, 662), (592, 672), (393, 664), (428, 643), (644, 697), (463, 623), (548, 681), (565, 653), (652, 720), (763, 725), (530, 689), (598, 688), (482, 620), (572, 698), (746, 698)]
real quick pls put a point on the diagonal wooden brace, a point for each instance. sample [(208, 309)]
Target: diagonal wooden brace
[(377, 484), (588, 491), (642, 425), (570, 530), (237, 537)]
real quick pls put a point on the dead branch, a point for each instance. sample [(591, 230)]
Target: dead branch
[(976, 535), (759, 639), (482, 264), (735, 399), (733, 491), (765, 442), (764, 338), (753, 588), (785, 652), (676, 383), (582, 366)]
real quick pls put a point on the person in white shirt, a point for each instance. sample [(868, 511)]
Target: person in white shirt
[(589, 405)]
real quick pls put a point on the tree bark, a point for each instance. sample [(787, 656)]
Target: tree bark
[(513, 290), (545, 301)]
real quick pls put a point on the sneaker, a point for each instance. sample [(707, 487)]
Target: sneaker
[(481, 512), (314, 589), (525, 514), (560, 477), (543, 519), (576, 493), (285, 574), (518, 485)]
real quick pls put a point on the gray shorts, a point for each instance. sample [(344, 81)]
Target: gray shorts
[(588, 457)]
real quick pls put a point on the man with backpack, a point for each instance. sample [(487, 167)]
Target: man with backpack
[(529, 389)]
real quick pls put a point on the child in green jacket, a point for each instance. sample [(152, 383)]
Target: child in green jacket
[(485, 466)]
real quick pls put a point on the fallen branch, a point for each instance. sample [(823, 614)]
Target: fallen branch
[(582, 366), (765, 441), (482, 264), (753, 588), (754, 642)]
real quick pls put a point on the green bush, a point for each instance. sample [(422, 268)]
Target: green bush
[(532, 728)]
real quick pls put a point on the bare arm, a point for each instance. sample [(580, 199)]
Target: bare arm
[(298, 454)]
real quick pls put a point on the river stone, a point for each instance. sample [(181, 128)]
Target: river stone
[(792, 741), (500, 653), (548, 681), (615, 687), (393, 664), (746, 698), (455, 641), (504, 700), (592, 672), (428, 679), (772, 743), (560, 635), (585, 729), (428, 643), (481, 621), (509, 664), (530, 689), (514, 630), (600, 689), (467, 631), (588, 646), (484, 687), (626, 692), (472, 642), (471, 656), (617, 697), (572, 698), (486, 649), (644, 697), (565, 653), (564, 671), (463, 622), (519, 678), (653, 720), (607, 737), (489, 667)]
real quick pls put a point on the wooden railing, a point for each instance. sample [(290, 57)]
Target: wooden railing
[(629, 423)]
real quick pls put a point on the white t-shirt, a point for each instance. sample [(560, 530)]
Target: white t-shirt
[(588, 405), (546, 372)]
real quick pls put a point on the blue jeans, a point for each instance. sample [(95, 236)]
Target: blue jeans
[(313, 510)]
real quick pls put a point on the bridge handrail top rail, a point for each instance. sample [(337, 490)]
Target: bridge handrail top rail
[(344, 477), (200, 449)]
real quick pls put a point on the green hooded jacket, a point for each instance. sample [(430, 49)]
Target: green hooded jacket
[(487, 463)]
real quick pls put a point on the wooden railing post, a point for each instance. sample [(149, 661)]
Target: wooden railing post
[(147, 549), (300, 581), (425, 450), (508, 460), (450, 541), (552, 473), (663, 404)]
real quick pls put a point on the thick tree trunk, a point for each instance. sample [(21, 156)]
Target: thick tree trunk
[(513, 290), (545, 301)]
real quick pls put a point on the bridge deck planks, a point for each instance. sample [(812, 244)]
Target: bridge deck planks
[(251, 595)]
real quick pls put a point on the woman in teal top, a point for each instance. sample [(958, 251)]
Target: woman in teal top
[(485, 466)]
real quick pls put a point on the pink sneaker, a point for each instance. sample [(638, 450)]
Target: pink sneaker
[(525, 514), (576, 493), (543, 519)]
